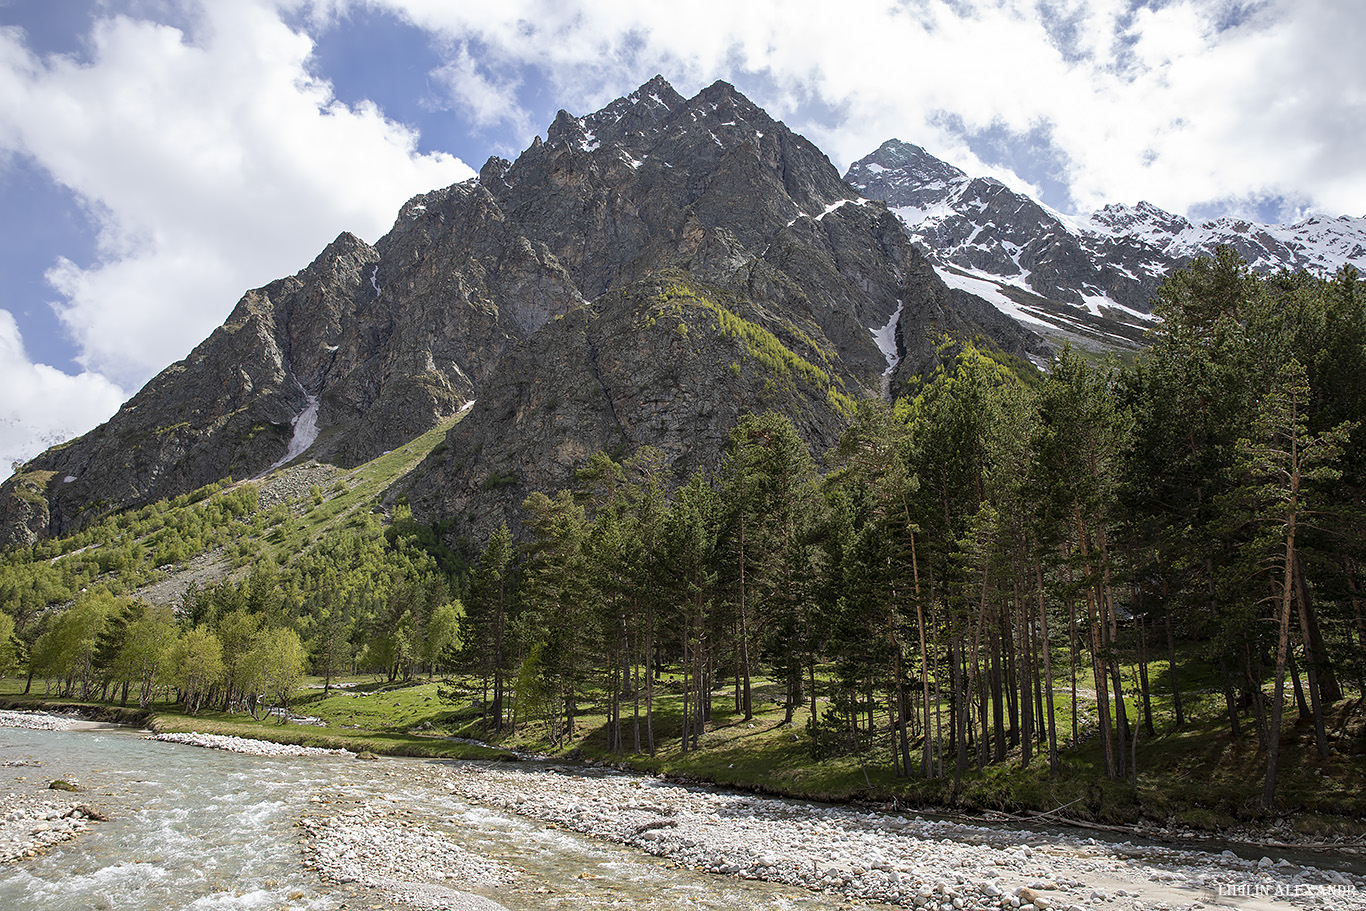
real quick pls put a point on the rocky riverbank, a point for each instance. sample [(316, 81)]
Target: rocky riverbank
[(42, 721), (898, 859), (862, 856), (37, 814), (248, 745), (32, 821), (403, 859)]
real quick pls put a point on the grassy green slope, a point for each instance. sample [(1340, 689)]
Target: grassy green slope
[(217, 532)]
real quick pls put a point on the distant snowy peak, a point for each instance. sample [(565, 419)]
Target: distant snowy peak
[(901, 174), (1317, 243), (1107, 265), (1144, 220)]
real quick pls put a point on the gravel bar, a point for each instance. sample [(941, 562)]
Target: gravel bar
[(41, 721), (248, 745), (899, 859)]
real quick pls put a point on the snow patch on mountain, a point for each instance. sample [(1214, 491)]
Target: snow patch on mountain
[(885, 337), (305, 431), (990, 292)]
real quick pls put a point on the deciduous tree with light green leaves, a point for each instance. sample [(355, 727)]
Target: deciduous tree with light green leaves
[(198, 666)]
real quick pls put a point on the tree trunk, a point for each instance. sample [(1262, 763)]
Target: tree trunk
[(1178, 711), (1312, 669), (1098, 663), (1300, 702), (1050, 719), (1252, 674), (924, 660), (1320, 667), (1273, 752), (1110, 634), (748, 697), (1143, 676), (650, 678), (1023, 682)]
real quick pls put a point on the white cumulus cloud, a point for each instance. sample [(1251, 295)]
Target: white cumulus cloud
[(213, 162), (1185, 103), (42, 405)]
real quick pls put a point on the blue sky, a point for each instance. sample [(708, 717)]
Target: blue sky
[(160, 157)]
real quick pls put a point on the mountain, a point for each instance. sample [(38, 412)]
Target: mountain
[(359, 352), (639, 277), (733, 270), (1089, 278)]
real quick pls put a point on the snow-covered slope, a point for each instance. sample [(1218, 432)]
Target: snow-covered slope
[(1317, 244), (1090, 278)]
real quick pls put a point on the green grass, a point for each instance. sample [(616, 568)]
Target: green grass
[(683, 299), (357, 740), (349, 500), (404, 720)]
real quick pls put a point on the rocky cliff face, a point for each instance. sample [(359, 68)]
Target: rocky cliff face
[(224, 410), (476, 290), (668, 362), (358, 353), (1088, 278), (730, 269)]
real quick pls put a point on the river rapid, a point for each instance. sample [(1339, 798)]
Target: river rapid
[(194, 828)]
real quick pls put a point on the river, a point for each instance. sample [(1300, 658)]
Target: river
[(193, 828)]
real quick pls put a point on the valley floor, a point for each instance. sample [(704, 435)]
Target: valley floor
[(396, 848)]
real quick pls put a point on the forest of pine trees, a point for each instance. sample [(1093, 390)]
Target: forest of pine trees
[(961, 553)]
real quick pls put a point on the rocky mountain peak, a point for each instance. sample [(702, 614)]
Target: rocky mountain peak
[(1143, 219), (904, 175), (640, 113), (1089, 279), (912, 161)]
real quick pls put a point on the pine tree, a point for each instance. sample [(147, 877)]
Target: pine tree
[(1282, 461), (484, 635), (557, 593)]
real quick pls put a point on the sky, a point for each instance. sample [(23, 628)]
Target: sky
[(158, 158)]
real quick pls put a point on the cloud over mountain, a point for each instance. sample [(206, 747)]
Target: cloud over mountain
[(210, 160)]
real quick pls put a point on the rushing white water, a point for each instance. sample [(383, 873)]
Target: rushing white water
[(188, 828)]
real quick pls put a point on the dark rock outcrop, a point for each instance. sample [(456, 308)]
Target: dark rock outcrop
[(667, 362)]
